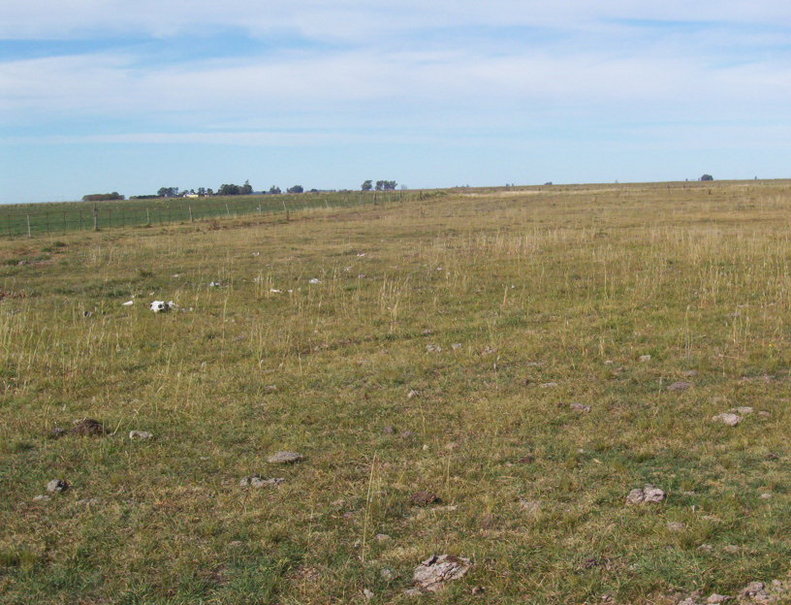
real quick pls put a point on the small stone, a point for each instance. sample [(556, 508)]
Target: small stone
[(689, 373), (680, 386), (765, 496), (389, 430), (676, 526), (58, 486), (548, 385), (435, 572), (314, 280), (731, 549), (424, 498), (456, 346), (706, 548), (648, 494), (58, 432), (382, 538), (387, 574), (88, 427), (412, 592), (412, 394), (140, 435), (368, 594), (128, 303), (160, 306), (755, 591), (743, 410), (41, 498), (285, 458), (427, 332), (727, 418), (407, 435), (764, 414), (530, 506), (432, 348), (258, 481), (645, 358), (715, 598), (477, 590), (580, 407)]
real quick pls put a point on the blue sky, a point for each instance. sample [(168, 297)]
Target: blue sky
[(114, 95)]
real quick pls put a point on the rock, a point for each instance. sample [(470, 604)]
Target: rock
[(645, 358), (580, 407), (765, 496), (731, 549), (743, 410), (314, 280), (128, 303), (407, 435), (676, 526), (42, 498), (88, 427), (160, 306), (690, 373), (58, 486), (646, 495), (389, 430), (368, 594), (680, 386), (424, 498), (412, 592), (387, 574), (258, 481), (530, 506), (706, 548), (727, 418), (435, 572), (432, 348), (476, 590), (456, 346), (215, 284), (285, 458), (382, 538), (715, 598), (755, 592), (412, 394), (57, 432), (548, 385), (140, 435)]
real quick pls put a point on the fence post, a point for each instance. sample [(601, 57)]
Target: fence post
[(190, 209), (95, 218), (28, 226), (285, 208), (227, 210)]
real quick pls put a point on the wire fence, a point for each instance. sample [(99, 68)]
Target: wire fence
[(30, 220)]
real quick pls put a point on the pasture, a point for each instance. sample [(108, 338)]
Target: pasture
[(486, 374)]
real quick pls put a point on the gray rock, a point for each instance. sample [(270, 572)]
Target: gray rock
[(727, 418), (715, 599), (680, 386), (645, 358), (432, 348), (580, 407), (382, 538), (41, 498), (285, 458), (646, 495), (58, 486), (387, 574), (676, 526), (435, 572), (743, 410), (258, 481), (140, 435)]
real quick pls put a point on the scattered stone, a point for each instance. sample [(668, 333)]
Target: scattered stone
[(715, 598), (456, 346), (706, 548), (389, 430), (476, 590), (88, 427), (128, 303), (258, 481), (680, 386), (424, 498), (645, 358), (731, 549), (140, 435), (58, 486), (765, 496), (744, 410), (285, 458), (755, 592), (382, 538), (412, 592), (314, 280), (412, 394), (87, 313), (488, 351), (727, 418), (368, 594), (58, 432), (432, 348), (435, 572), (41, 498), (580, 407), (530, 506), (215, 284), (690, 373), (648, 494), (427, 332), (160, 306), (387, 574), (407, 435), (270, 388), (764, 414), (548, 385), (676, 526)]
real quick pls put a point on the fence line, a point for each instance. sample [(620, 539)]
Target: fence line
[(37, 219)]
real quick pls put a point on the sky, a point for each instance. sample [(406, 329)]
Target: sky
[(130, 96)]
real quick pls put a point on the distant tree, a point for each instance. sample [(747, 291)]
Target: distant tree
[(246, 189), (209, 191), (168, 191), (101, 197), (274, 189), (707, 177), (295, 189), (201, 190), (390, 185), (367, 185), (314, 191), (229, 189)]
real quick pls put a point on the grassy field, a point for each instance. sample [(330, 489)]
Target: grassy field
[(440, 351), (53, 218)]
